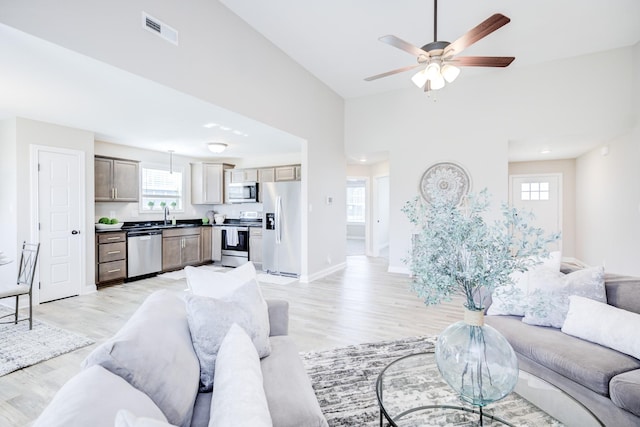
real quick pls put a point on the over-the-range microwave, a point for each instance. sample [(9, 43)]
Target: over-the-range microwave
[(243, 192)]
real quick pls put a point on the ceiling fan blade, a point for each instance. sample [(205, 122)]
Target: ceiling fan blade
[(482, 61), (390, 73), (482, 30), (403, 45)]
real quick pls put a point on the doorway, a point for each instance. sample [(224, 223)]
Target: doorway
[(357, 215), (381, 217), (59, 198)]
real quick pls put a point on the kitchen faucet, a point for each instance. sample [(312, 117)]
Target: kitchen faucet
[(166, 214)]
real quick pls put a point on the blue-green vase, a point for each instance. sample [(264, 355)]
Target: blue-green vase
[(476, 360)]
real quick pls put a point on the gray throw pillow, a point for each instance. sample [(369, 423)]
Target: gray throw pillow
[(154, 353), (210, 319)]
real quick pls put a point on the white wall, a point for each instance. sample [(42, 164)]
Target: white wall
[(8, 200), (608, 194), (608, 206), (473, 119), (217, 61)]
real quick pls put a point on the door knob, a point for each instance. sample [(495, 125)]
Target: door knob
[(75, 231)]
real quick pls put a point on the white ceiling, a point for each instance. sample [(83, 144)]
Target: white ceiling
[(336, 40)]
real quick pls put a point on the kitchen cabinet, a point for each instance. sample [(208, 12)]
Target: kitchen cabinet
[(216, 244), (181, 247), (116, 180), (208, 183), (288, 173), (111, 257), (267, 175), (205, 237), (255, 246), (244, 175)]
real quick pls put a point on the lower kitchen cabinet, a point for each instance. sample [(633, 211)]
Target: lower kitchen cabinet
[(111, 257), (216, 244), (255, 246), (181, 247), (205, 235)]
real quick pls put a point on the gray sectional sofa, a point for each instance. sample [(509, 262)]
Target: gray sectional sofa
[(604, 380), (150, 369)]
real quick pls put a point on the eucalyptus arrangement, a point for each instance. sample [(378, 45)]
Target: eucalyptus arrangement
[(457, 252)]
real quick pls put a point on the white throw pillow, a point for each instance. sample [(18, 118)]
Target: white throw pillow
[(238, 394), (603, 324), (210, 319), (512, 299), (202, 281), (549, 293), (93, 398), (126, 418)]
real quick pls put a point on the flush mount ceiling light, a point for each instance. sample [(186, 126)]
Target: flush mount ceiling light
[(438, 60), (217, 147)]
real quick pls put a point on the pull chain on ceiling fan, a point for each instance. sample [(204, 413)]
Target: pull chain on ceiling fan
[(438, 57)]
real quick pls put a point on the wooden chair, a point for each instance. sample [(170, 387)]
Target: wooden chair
[(24, 286)]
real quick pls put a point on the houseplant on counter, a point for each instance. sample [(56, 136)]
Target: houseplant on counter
[(456, 251)]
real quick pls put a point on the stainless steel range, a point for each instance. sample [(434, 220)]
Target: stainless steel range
[(235, 239)]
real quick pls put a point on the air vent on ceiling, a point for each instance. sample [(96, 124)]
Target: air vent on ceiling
[(159, 28)]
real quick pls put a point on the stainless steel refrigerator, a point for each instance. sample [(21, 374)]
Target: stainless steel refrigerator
[(281, 234)]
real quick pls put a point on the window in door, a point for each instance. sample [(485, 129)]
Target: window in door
[(534, 191), (161, 187)]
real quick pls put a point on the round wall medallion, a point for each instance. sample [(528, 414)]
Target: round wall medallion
[(445, 179)]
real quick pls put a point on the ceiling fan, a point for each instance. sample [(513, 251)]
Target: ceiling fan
[(439, 57)]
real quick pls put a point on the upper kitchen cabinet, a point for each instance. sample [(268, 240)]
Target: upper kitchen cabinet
[(244, 175), (207, 183), (116, 180), (288, 173), (267, 175)]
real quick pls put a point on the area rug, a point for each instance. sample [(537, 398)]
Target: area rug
[(344, 380), (21, 347)]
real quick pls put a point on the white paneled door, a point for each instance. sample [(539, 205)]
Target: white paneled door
[(59, 218), (542, 195)]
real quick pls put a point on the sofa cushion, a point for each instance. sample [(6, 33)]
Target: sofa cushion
[(238, 396), (603, 324), (215, 284), (586, 363), (154, 353), (625, 391), (549, 293), (623, 292), (512, 299), (292, 401), (93, 398), (210, 319), (126, 418)]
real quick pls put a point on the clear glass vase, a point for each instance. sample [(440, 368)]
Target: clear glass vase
[(476, 360)]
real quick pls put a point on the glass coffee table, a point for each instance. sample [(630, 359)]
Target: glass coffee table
[(412, 393)]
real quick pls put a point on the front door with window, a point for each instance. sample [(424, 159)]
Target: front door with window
[(542, 195)]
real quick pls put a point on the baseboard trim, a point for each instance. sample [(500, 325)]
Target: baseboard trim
[(322, 273)]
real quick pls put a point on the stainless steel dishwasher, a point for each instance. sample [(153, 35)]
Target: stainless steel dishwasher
[(144, 252)]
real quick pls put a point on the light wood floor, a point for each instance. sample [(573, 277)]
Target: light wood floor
[(362, 303)]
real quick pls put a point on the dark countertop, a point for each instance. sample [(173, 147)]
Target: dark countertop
[(183, 223)]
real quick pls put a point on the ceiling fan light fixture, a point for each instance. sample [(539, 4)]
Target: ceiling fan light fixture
[(450, 72), (432, 71), (420, 78), (437, 82), (217, 147)]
